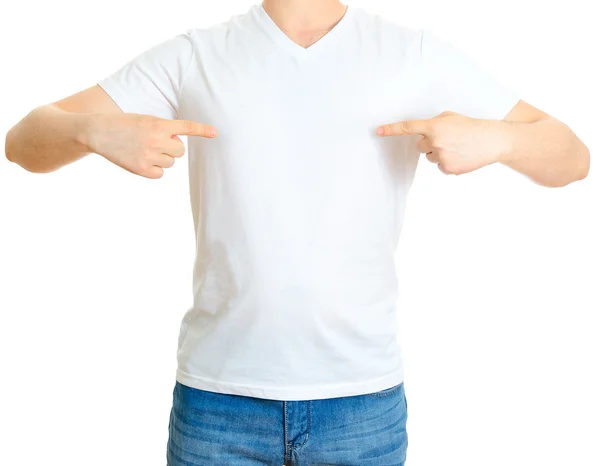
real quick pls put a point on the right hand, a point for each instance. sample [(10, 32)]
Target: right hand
[(142, 144)]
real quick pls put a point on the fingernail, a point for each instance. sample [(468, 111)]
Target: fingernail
[(380, 130), (213, 132)]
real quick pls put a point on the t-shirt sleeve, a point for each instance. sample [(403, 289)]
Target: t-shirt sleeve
[(151, 83), (452, 81)]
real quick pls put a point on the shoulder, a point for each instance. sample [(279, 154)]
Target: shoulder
[(376, 23), (221, 30), (388, 37), (387, 32)]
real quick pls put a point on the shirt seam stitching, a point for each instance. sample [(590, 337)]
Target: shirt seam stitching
[(186, 72)]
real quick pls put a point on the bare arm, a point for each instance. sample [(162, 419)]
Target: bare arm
[(543, 148), (57, 134), (528, 140), (53, 135)]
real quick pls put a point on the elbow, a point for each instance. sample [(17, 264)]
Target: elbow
[(12, 153), (8, 151), (579, 171), (11, 149), (584, 166)]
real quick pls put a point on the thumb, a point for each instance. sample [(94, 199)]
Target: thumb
[(191, 128), (401, 128)]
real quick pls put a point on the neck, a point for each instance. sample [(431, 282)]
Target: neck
[(305, 19)]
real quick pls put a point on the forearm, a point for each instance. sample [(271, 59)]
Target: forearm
[(47, 138), (546, 150)]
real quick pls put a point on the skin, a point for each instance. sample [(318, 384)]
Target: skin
[(528, 140), (54, 135), (305, 21)]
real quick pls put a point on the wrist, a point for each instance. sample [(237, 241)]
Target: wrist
[(506, 132), (86, 125)]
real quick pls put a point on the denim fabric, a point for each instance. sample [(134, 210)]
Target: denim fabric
[(208, 428)]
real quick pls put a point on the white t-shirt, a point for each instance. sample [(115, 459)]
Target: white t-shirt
[(297, 203)]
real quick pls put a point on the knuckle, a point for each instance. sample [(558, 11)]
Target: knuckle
[(405, 126), (146, 154), (141, 164), (177, 151), (188, 126), (156, 124), (148, 122), (140, 167), (153, 141), (180, 151), (154, 172)]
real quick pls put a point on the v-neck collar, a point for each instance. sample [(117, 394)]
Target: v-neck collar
[(283, 41)]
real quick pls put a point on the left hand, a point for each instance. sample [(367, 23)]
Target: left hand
[(457, 143)]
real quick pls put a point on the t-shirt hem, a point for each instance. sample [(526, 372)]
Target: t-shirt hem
[(292, 393), (118, 97), (507, 105)]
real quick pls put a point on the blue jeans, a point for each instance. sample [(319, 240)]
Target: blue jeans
[(208, 428)]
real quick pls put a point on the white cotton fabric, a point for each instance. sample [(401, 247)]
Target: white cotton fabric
[(298, 204)]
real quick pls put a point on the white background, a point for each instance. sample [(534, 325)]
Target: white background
[(499, 276)]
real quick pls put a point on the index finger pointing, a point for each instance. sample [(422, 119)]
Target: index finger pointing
[(192, 128), (405, 127)]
